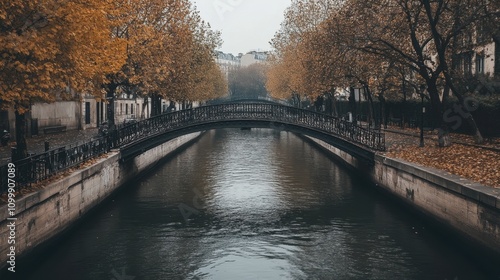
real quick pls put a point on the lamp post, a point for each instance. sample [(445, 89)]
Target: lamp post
[(422, 88)]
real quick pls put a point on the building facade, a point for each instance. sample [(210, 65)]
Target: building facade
[(478, 59), (227, 62), (253, 57)]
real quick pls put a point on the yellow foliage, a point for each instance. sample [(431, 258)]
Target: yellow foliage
[(169, 51), (46, 45)]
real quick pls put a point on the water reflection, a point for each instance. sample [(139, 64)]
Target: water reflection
[(264, 205)]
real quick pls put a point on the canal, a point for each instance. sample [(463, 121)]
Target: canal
[(259, 204)]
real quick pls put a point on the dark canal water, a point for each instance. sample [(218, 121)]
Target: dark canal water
[(257, 204)]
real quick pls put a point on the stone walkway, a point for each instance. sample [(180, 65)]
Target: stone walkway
[(36, 144)]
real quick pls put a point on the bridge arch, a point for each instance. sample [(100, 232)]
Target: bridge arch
[(360, 142)]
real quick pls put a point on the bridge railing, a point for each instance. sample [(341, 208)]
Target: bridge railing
[(233, 99), (40, 167), (274, 113)]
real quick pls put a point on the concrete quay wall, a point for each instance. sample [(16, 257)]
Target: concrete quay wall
[(470, 209), (46, 213)]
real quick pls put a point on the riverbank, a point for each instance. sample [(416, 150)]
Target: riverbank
[(468, 208), (256, 204), (46, 213)]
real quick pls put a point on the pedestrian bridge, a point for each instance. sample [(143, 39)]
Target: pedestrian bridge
[(134, 139), (360, 142)]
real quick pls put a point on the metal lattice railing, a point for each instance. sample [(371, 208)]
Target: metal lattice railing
[(40, 167), (369, 138)]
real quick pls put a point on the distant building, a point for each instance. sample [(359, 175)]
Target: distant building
[(253, 57), (227, 62)]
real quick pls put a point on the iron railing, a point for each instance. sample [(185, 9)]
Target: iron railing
[(276, 114), (257, 99), (40, 167)]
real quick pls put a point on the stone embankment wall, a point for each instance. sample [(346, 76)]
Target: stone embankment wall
[(51, 210), (471, 209)]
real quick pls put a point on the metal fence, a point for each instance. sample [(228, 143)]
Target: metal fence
[(40, 167)]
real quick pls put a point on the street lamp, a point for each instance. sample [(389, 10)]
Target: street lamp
[(422, 88)]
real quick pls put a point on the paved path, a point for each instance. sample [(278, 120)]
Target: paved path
[(36, 144)]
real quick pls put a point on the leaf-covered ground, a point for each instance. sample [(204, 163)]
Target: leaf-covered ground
[(479, 164)]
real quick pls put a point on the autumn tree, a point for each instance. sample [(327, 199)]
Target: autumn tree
[(200, 75), (148, 28), (418, 35), (169, 52), (47, 46), (378, 46), (290, 63)]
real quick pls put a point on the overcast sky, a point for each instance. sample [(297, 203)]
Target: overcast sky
[(246, 25)]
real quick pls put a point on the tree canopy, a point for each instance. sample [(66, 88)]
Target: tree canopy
[(51, 45), (381, 46), (50, 49)]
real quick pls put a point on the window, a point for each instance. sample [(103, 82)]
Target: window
[(121, 108), (87, 112), (479, 64), (458, 63), (126, 109), (132, 109), (482, 33), (467, 63), (463, 63), (464, 40)]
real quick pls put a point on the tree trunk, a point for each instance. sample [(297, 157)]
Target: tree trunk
[(155, 105), (476, 133), (296, 100), (441, 48), (111, 107), (144, 106), (332, 110), (333, 104), (21, 145), (403, 115), (371, 109), (444, 139), (352, 103), (382, 120)]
